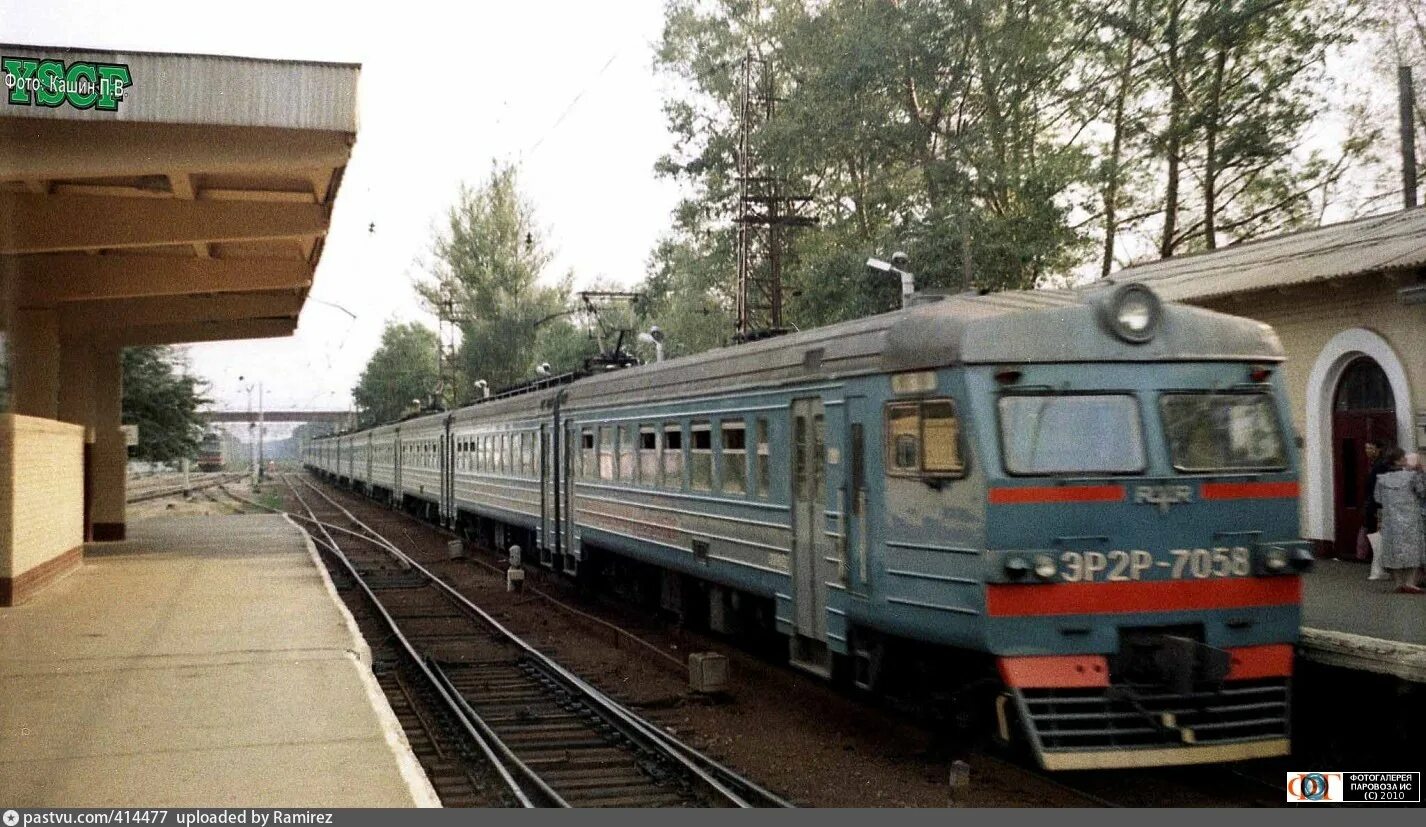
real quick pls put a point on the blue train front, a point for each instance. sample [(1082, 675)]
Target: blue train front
[(1078, 507), (1105, 501)]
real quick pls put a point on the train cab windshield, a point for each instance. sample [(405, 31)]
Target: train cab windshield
[(1222, 431), (1078, 434)]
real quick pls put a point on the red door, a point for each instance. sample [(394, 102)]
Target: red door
[(1351, 430), (1363, 410)]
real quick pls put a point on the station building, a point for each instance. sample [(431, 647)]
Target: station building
[(144, 199), (1349, 303)]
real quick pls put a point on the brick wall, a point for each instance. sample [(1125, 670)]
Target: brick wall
[(41, 501)]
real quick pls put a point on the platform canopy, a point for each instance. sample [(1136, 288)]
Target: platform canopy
[(167, 198)]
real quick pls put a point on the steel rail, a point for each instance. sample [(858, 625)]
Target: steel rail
[(494, 750), (699, 765), (173, 490)]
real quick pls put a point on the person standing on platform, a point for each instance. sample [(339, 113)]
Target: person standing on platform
[(1368, 538), (1401, 494)]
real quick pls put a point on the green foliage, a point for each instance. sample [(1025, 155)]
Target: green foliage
[(163, 402), (487, 265), (402, 369), (1250, 78), (1001, 145)]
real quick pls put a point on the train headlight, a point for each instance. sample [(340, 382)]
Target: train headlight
[(1016, 568), (1045, 566), (1132, 312), (1275, 560)]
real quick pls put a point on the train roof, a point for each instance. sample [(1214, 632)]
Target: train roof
[(1064, 326), (1030, 326)]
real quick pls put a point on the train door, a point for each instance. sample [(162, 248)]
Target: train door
[(569, 444), (448, 476), (396, 461), (370, 452), (548, 492), (810, 555), (854, 497)]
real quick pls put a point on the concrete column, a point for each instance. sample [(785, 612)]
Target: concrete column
[(110, 457), (34, 362), (76, 405), (76, 384)]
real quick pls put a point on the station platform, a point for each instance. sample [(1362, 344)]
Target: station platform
[(1351, 622), (205, 661)]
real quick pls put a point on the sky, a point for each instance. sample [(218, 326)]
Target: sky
[(565, 89)]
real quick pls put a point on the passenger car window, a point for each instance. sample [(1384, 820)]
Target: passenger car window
[(764, 458), (735, 457), (608, 461), (627, 460), (648, 455), (700, 457), (673, 455), (940, 433), (923, 439), (903, 439)]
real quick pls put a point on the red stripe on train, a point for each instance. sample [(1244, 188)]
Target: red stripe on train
[(1150, 596), (1272, 660), (1248, 490), (1055, 671), (1269, 661), (1057, 494)]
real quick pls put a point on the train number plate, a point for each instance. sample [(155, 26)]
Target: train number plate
[(1181, 564)]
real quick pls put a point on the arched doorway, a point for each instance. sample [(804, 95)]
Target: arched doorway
[(1363, 409), (1321, 454)]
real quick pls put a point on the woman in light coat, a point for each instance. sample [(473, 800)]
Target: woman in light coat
[(1402, 493)]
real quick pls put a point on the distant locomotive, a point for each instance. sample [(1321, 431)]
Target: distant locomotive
[(210, 452), (1078, 506)]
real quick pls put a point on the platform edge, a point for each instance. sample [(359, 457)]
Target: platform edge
[(1343, 649), (423, 794)]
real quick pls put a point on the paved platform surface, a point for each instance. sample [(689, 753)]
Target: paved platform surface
[(1352, 622), (206, 661)]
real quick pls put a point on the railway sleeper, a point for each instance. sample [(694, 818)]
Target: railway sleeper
[(559, 755), (609, 785), (625, 798), (538, 744)]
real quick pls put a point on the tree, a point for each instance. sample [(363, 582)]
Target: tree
[(164, 404), (487, 267), (1002, 145), (402, 369), (954, 131), (1244, 83), (1398, 39)]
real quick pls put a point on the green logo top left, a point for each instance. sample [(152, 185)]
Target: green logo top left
[(82, 84)]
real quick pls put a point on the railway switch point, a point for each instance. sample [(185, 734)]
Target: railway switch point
[(707, 673)]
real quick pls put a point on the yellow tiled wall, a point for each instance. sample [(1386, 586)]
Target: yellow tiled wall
[(41, 491)]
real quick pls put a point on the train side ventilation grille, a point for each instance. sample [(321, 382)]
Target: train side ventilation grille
[(1143, 716)]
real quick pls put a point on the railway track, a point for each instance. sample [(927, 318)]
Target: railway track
[(1186, 786), (550, 738), (199, 482)]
